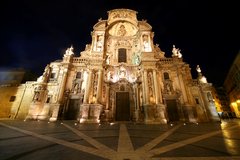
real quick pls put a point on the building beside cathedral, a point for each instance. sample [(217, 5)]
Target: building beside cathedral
[(232, 85), (120, 76)]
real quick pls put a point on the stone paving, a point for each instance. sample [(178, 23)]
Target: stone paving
[(68, 140)]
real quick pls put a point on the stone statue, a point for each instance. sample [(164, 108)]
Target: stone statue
[(122, 31), (198, 69), (36, 96), (135, 59), (138, 59), (45, 75), (88, 47), (174, 51), (46, 71), (146, 45), (76, 88), (122, 72), (179, 54), (99, 44), (69, 51), (108, 59), (201, 78)]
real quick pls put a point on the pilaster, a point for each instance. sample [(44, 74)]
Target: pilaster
[(87, 92), (146, 87), (155, 86), (99, 86)]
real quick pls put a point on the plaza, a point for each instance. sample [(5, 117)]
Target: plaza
[(23, 140)]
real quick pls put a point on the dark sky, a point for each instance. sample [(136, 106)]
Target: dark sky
[(34, 33)]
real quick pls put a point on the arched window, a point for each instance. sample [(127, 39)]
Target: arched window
[(165, 75), (122, 55)]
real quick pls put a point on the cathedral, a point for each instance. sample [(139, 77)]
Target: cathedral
[(122, 75)]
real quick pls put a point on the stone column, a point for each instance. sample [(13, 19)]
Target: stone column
[(62, 86), (143, 90), (155, 86), (60, 95), (137, 102), (159, 79), (99, 86), (137, 96), (107, 96), (146, 87), (184, 92), (89, 83)]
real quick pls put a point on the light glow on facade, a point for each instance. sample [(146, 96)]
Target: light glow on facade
[(122, 75)]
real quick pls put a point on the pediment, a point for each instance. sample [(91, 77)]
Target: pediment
[(143, 25), (101, 25)]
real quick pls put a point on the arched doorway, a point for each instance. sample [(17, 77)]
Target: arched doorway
[(122, 106), (172, 110)]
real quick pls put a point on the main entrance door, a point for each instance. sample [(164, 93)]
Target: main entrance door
[(122, 106), (72, 110), (172, 110)]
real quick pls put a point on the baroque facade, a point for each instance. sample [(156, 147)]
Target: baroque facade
[(122, 76)]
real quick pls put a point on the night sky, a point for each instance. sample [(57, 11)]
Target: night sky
[(34, 33)]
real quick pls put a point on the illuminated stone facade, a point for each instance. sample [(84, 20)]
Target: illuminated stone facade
[(232, 85), (122, 76)]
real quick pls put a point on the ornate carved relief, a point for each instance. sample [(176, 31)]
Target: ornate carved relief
[(95, 82), (168, 88), (122, 14), (123, 43), (146, 43), (123, 29)]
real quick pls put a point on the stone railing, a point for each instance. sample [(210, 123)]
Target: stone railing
[(166, 60), (79, 60), (84, 61), (169, 60)]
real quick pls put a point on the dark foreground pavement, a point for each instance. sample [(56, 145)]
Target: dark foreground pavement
[(67, 140)]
